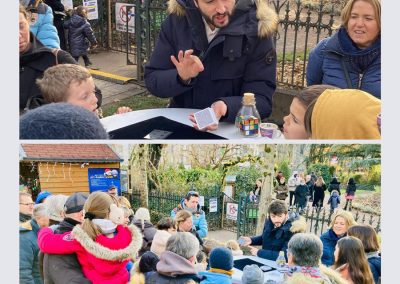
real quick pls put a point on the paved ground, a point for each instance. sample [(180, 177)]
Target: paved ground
[(114, 63), (221, 235)]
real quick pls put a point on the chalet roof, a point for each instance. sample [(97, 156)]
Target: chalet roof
[(68, 153)]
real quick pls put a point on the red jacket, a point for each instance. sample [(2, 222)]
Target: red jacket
[(103, 260)]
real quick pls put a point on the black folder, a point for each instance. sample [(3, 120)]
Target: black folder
[(179, 131), (241, 263)]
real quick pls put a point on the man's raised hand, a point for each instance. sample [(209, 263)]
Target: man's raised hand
[(187, 65)]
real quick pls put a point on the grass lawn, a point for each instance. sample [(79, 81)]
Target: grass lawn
[(138, 102)]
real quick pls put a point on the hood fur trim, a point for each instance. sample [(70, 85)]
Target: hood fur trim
[(267, 18), (108, 254), (334, 276), (299, 225)]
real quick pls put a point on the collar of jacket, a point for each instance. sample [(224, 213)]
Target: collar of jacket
[(102, 252), (174, 265), (30, 225), (222, 271), (267, 19)]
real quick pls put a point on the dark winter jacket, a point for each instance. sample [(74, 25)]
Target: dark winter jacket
[(274, 240), (173, 268), (29, 253), (334, 200), (351, 189), (80, 35), (58, 9), (301, 193), (374, 261), (32, 65), (319, 194), (281, 191), (63, 268), (148, 231), (334, 185), (329, 240), (241, 58), (363, 65)]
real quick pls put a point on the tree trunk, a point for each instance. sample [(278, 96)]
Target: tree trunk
[(138, 173), (267, 187)]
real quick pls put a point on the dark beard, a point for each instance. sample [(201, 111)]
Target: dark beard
[(210, 21)]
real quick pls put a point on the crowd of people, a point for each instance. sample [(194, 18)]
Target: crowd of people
[(98, 238), (207, 55)]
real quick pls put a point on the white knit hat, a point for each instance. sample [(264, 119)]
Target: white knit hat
[(159, 242), (55, 206)]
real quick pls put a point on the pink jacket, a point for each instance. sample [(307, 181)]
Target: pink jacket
[(103, 260)]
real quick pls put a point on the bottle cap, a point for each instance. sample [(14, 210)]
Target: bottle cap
[(248, 99)]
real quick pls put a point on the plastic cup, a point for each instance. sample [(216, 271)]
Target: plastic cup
[(269, 130)]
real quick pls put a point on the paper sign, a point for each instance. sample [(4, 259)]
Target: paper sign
[(121, 17), (228, 190), (67, 4), (205, 117), (231, 211), (213, 205), (201, 201), (91, 8)]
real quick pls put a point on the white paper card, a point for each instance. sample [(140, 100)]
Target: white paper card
[(205, 117)]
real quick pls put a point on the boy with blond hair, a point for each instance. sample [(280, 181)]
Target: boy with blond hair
[(72, 84)]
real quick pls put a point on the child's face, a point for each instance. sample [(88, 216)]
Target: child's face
[(82, 94), (293, 127)]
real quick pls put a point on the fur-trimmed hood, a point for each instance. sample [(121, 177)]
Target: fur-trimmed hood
[(329, 276), (267, 17), (103, 252), (299, 224)]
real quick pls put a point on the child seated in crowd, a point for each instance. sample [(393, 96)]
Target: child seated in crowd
[(73, 84), (221, 267), (234, 247), (326, 112)]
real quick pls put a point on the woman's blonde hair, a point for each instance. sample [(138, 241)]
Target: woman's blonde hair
[(181, 216), (346, 12), (123, 201), (346, 215), (320, 181), (98, 206)]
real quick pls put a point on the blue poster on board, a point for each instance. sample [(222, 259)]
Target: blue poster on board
[(102, 178)]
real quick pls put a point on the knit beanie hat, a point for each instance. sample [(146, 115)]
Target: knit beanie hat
[(55, 206), (159, 242), (75, 203), (61, 121), (252, 274), (221, 258), (42, 195)]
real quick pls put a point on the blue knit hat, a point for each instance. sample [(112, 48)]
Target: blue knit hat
[(61, 121), (221, 258), (42, 195)]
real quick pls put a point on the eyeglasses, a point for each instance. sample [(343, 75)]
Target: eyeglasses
[(28, 204)]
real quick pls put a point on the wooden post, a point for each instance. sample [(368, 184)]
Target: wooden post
[(139, 160), (109, 23)]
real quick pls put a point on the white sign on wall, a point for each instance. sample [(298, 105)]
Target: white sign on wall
[(228, 190), (231, 211), (91, 8), (213, 205), (201, 201), (121, 17)]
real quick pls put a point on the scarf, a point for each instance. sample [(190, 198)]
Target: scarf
[(313, 272), (24, 217), (222, 271), (106, 226), (359, 58)]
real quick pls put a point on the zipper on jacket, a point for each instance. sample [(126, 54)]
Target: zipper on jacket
[(360, 77)]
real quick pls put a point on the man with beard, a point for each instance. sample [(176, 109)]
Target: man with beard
[(211, 52), (191, 204), (278, 230), (65, 268)]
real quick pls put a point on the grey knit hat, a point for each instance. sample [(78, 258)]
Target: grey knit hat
[(61, 121), (252, 274)]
